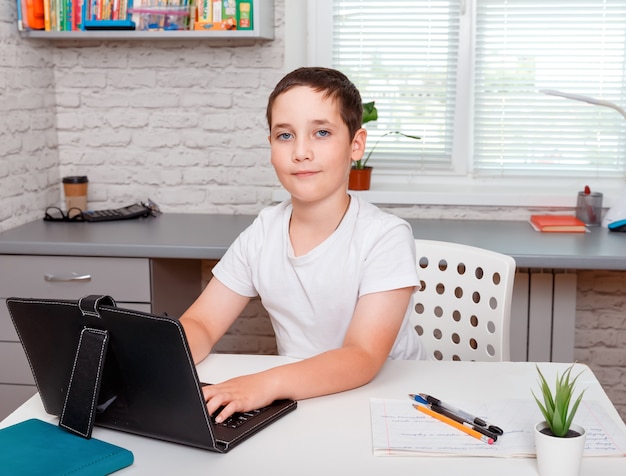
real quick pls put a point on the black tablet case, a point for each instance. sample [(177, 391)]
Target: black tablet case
[(147, 385)]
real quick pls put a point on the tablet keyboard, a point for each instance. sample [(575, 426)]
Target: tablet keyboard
[(237, 419)]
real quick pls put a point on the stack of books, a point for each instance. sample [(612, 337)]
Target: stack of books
[(557, 224)]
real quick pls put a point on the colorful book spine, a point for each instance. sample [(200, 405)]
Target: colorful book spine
[(20, 23), (84, 14), (69, 15), (31, 14), (61, 14), (46, 14), (244, 15), (54, 25)]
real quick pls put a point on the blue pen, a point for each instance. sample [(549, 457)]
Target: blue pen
[(418, 398)]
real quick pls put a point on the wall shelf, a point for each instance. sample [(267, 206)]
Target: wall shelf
[(263, 21)]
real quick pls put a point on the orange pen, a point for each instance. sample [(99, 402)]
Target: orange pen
[(459, 426)]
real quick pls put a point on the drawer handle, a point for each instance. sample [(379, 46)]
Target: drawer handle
[(67, 279)]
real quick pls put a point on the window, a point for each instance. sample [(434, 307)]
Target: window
[(467, 77)]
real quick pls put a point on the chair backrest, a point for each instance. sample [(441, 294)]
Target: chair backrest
[(463, 310)]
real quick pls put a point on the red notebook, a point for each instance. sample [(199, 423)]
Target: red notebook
[(557, 223)]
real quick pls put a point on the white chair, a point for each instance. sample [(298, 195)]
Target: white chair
[(463, 310)]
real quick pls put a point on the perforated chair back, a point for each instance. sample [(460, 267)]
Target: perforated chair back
[(463, 310)]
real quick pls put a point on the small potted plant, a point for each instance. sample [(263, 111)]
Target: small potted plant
[(361, 173), (559, 442)]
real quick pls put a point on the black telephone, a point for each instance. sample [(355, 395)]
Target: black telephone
[(135, 210)]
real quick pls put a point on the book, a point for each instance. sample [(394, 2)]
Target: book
[(33, 14), (398, 429), (46, 15), (35, 447), (557, 223), (20, 23)]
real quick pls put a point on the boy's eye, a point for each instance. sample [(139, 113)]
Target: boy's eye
[(323, 133), (284, 136)]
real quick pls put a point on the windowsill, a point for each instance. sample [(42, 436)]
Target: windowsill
[(505, 193)]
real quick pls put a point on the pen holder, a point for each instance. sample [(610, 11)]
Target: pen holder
[(589, 208)]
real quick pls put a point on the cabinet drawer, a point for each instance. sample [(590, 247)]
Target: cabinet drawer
[(7, 331), (70, 277), (14, 366), (12, 396)]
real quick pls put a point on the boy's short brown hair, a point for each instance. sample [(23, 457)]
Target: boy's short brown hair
[(334, 84)]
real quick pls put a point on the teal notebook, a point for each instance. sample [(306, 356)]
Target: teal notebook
[(34, 447)]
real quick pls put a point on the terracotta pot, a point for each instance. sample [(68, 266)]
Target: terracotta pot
[(559, 456), (360, 178)]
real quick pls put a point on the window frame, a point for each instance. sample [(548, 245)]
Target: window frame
[(391, 185)]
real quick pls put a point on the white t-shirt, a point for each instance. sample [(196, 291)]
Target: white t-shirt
[(311, 298)]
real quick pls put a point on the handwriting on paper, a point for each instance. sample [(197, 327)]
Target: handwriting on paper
[(398, 429)]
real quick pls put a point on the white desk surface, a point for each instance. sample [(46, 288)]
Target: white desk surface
[(331, 435)]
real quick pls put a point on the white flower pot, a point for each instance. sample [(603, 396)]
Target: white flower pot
[(559, 456)]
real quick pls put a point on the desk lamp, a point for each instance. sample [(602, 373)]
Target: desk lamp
[(616, 216)]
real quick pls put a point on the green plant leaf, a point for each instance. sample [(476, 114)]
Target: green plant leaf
[(558, 426), (572, 412), (543, 409), (370, 113), (547, 394)]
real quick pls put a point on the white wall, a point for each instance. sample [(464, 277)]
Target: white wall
[(29, 161)]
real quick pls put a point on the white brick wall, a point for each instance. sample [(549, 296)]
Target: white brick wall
[(180, 122), (601, 330), (29, 164), (183, 122)]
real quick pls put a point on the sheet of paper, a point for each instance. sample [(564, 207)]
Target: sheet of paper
[(400, 430)]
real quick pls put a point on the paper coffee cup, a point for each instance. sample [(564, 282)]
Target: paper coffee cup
[(75, 189)]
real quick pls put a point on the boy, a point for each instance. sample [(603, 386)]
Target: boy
[(335, 274)]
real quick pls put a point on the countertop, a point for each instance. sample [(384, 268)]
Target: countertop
[(207, 236)]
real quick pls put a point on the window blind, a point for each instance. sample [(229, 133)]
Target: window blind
[(523, 47), (412, 59), (402, 55)]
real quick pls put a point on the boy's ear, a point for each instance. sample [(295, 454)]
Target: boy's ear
[(358, 144)]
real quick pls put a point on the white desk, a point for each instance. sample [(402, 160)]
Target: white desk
[(331, 435)]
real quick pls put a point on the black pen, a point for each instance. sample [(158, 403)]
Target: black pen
[(458, 413), (480, 429)]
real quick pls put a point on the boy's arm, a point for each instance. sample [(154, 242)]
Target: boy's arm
[(210, 316), (372, 332)]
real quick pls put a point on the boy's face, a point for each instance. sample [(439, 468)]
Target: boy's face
[(310, 145)]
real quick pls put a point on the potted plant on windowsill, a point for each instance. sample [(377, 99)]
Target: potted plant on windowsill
[(559, 442), (361, 173)]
